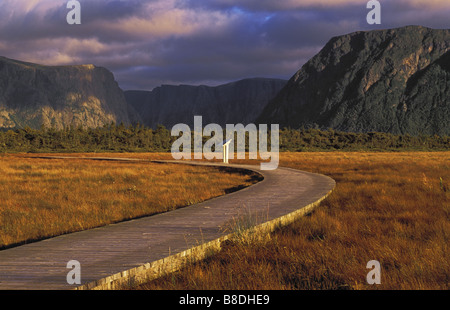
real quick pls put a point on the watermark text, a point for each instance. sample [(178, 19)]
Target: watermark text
[(258, 142), (374, 16), (74, 15)]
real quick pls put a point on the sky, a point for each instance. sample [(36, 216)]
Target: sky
[(147, 43)]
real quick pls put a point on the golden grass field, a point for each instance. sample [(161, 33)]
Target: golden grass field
[(390, 207), (42, 198)]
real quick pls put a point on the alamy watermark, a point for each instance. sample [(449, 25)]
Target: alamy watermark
[(258, 141), (74, 275), (374, 275), (374, 16), (74, 15)]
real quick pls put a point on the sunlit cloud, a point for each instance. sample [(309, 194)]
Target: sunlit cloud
[(428, 4), (147, 43)]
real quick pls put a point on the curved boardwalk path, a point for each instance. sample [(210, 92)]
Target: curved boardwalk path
[(114, 249)]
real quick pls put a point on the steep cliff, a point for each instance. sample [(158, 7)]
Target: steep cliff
[(233, 103), (34, 95), (395, 80)]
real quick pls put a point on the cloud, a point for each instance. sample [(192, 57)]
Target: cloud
[(148, 43), (427, 4), (273, 6), (289, 5)]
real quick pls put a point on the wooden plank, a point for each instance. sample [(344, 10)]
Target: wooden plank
[(109, 250)]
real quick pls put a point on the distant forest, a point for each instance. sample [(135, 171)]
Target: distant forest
[(121, 138)]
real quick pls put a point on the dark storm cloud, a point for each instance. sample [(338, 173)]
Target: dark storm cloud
[(51, 22), (148, 43)]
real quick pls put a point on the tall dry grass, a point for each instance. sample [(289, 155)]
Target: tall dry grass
[(390, 207), (41, 198)]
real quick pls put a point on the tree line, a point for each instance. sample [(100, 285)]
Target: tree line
[(138, 138)]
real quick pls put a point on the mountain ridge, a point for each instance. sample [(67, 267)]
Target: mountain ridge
[(392, 80), (32, 95), (371, 81), (231, 103)]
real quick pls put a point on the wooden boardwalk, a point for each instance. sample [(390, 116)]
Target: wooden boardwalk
[(109, 250)]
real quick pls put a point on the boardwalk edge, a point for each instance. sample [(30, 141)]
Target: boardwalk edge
[(151, 271)]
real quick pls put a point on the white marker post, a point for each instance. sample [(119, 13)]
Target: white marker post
[(226, 150)]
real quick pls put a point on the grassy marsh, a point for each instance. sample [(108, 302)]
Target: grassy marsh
[(390, 207), (42, 198)]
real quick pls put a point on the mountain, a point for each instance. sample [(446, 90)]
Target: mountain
[(59, 96), (394, 80), (233, 103), (33, 95)]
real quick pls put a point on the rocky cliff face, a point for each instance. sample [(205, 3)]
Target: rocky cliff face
[(234, 103), (34, 95), (395, 80)]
